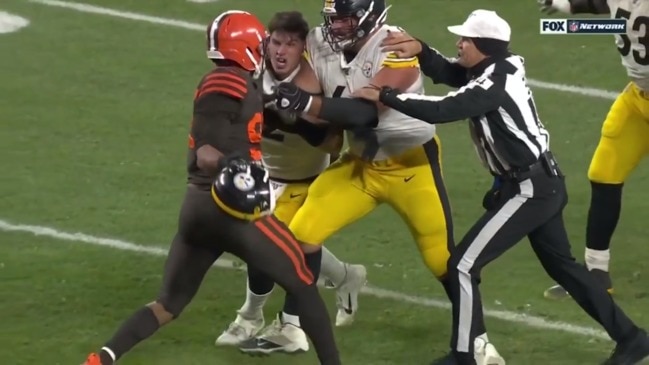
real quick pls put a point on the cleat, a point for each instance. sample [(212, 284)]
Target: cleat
[(239, 331), (486, 354), (347, 294), (93, 359), (632, 352), (278, 337), (557, 292)]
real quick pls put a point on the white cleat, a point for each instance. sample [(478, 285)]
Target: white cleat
[(239, 331), (486, 353), (347, 294), (278, 337)]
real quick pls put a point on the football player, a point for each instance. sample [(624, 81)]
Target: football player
[(294, 152), (392, 158), (624, 138), (224, 194)]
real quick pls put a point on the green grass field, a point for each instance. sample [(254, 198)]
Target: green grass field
[(94, 112)]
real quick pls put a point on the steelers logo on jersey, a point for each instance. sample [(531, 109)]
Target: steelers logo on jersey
[(243, 181)]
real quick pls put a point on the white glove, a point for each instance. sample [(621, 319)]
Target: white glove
[(552, 6)]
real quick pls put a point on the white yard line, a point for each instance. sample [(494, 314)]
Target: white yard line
[(523, 319), (86, 8)]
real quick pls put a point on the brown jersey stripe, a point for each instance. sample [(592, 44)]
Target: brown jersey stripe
[(305, 276)]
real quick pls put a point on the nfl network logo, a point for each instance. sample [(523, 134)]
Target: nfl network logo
[(582, 26)]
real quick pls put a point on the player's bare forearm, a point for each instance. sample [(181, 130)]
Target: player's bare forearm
[(207, 158), (589, 7)]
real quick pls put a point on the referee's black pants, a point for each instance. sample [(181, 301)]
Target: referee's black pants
[(532, 207)]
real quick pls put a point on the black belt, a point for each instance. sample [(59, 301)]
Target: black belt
[(545, 165)]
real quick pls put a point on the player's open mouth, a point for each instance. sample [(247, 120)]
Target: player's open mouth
[(280, 61)]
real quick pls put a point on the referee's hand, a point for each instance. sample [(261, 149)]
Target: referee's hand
[(492, 197), (369, 92), (402, 44)]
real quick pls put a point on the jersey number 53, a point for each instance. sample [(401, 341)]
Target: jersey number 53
[(640, 22)]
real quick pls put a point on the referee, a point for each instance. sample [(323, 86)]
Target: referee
[(531, 194)]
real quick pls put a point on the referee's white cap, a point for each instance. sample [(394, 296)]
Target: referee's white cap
[(483, 24)]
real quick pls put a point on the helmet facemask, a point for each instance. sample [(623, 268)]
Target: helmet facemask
[(361, 23)]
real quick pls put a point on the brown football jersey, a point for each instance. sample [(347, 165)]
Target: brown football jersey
[(228, 115)]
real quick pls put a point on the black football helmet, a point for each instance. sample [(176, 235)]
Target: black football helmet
[(242, 188), (363, 17)]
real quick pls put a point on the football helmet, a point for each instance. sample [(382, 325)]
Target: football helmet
[(237, 36), (242, 188), (348, 21)]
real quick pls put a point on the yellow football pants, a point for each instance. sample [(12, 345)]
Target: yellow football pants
[(290, 197), (411, 183), (624, 140)]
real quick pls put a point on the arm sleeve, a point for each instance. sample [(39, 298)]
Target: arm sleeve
[(214, 115), (349, 113), (313, 134), (476, 98), (441, 69)]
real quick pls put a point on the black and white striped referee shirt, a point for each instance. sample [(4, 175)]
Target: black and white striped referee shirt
[(494, 95)]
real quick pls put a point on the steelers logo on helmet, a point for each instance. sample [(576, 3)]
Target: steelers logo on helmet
[(242, 189), (243, 181)]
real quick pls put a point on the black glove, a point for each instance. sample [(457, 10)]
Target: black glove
[(492, 198), (387, 93), (291, 97)]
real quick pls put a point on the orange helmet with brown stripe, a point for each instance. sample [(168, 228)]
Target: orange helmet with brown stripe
[(237, 36)]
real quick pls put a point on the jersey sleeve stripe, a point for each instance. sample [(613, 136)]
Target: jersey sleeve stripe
[(401, 63), (226, 77), (220, 89), (225, 83)]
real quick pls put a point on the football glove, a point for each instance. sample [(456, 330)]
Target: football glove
[(291, 97), (552, 6)]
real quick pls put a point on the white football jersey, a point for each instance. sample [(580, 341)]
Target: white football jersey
[(634, 45), (288, 156), (396, 132)]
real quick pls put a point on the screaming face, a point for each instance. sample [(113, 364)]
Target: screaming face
[(284, 53)]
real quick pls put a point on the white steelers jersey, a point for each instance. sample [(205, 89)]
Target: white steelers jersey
[(396, 132), (288, 156), (634, 45)]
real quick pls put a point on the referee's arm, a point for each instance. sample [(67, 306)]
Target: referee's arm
[(441, 69), (476, 98)]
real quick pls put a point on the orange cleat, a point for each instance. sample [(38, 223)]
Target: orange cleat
[(93, 359)]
